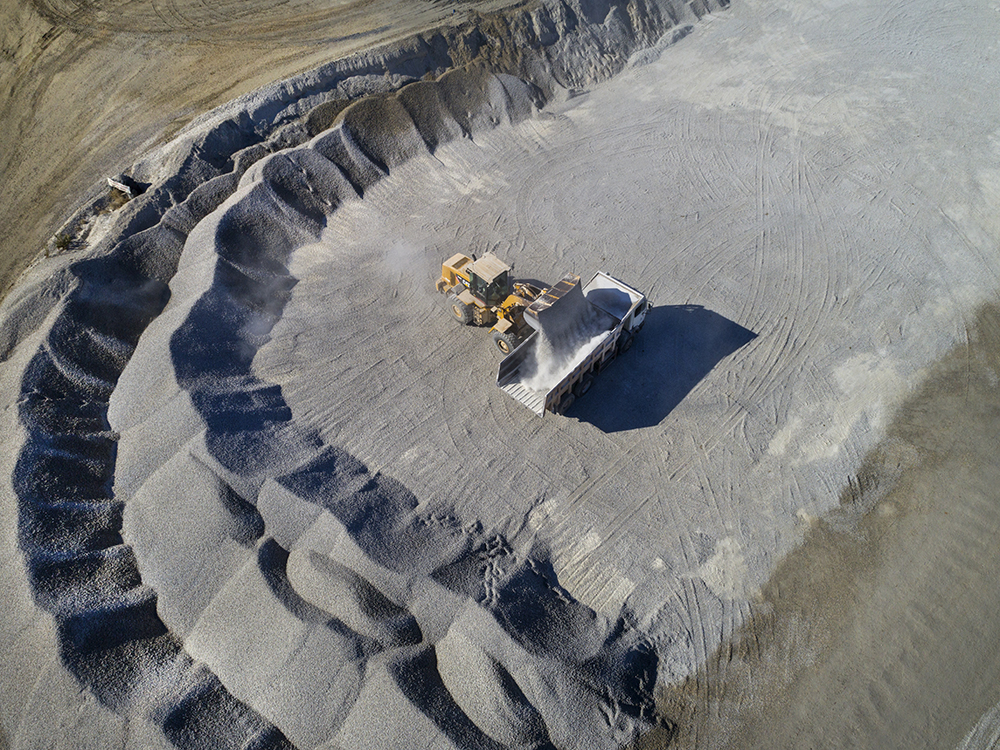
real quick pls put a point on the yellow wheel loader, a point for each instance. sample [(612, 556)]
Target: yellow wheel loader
[(482, 292)]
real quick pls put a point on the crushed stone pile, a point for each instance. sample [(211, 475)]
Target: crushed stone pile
[(197, 551)]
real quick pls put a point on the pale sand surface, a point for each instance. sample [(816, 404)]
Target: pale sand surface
[(881, 630), (786, 491)]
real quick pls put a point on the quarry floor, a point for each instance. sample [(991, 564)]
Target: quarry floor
[(791, 479), (820, 245)]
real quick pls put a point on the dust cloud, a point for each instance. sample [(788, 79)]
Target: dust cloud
[(567, 332)]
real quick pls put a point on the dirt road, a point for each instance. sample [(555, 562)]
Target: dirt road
[(88, 87)]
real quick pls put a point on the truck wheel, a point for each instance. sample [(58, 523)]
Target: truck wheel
[(626, 342), (565, 403), (461, 311), (583, 386), (505, 342)]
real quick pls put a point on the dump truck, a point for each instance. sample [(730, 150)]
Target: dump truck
[(482, 292), (575, 336)]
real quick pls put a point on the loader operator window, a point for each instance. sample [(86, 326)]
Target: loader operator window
[(491, 294)]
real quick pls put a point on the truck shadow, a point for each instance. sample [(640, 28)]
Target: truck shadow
[(677, 347)]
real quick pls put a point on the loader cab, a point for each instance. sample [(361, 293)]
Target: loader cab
[(489, 280)]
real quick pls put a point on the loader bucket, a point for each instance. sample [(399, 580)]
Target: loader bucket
[(561, 297), (564, 317)]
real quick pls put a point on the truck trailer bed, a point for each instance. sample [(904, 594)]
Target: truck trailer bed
[(621, 303)]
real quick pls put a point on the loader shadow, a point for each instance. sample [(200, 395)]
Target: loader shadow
[(676, 348)]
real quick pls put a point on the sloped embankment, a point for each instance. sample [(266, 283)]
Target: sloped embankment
[(283, 172)]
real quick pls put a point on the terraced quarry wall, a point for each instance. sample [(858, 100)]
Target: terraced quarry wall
[(269, 170)]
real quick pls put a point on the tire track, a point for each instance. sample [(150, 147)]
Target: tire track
[(618, 524), (805, 202), (210, 23), (936, 544), (734, 413)]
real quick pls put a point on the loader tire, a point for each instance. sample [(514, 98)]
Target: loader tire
[(505, 342), (461, 311)]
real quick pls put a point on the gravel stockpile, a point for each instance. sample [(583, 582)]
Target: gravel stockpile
[(264, 493)]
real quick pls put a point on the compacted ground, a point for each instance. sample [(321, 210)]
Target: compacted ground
[(773, 516), (787, 186)]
